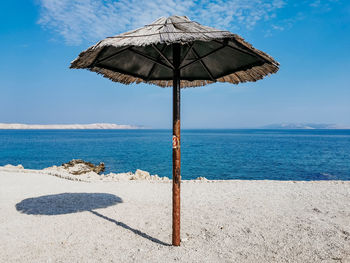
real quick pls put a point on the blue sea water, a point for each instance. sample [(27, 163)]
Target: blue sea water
[(214, 154)]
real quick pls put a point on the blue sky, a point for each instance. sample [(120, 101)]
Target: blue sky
[(310, 39)]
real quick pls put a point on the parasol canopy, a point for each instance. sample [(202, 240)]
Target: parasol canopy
[(207, 55), (178, 52)]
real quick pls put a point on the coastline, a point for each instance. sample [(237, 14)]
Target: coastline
[(138, 175), (222, 221), (92, 126)]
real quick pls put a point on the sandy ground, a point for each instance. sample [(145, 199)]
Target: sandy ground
[(49, 219)]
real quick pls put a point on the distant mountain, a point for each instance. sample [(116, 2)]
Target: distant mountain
[(93, 126), (304, 126)]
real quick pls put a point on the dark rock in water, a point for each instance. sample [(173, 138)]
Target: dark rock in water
[(99, 168), (77, 166)]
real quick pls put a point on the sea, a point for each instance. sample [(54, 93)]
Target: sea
[(245, 154)]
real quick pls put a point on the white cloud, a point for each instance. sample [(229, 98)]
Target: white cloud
[(79, 21), (315, 3)]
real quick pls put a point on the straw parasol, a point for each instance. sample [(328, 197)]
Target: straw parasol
[(178, 52)]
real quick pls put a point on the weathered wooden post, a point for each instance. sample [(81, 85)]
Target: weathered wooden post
[(176, 145)]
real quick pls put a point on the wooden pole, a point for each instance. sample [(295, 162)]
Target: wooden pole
[(176, 145)]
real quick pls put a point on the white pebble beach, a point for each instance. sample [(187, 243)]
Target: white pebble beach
[(44, 218)]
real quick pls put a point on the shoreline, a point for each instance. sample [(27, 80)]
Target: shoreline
[(139, 175)]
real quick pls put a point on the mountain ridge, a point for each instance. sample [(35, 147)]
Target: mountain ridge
[(309, 126), (92, 126)]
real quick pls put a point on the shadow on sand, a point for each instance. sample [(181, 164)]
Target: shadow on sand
[(67, 203)]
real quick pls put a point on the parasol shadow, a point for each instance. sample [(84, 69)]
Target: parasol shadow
[(68, 203)]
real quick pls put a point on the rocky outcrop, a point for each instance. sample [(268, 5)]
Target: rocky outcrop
[(144, 175), (79, 170), (10, 166), (77, 167), (203, 179)]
